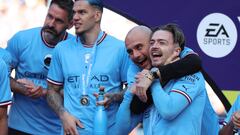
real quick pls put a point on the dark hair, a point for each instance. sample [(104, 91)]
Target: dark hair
[(178, 36), (66, 5), (97, 3)]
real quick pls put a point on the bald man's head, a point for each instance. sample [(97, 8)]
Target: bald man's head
[(137, 44), (139, 31)]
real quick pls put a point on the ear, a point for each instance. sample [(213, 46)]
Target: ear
[(178, 50), (70, 25), (98, 15)]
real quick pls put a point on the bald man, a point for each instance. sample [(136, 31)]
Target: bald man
[(137, 44)]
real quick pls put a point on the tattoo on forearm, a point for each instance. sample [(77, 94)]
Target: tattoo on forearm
[(17, 87), (55, 99)]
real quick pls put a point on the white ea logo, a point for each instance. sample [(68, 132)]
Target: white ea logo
[(217, 35)]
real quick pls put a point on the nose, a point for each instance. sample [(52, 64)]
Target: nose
[(136, 54), (155, 45), (51, 23), (75, 16)]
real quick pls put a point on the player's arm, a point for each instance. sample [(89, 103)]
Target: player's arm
[(18, 87), (169, 106), (27, 88), (188, 65), (185, 66), (228, 129), (232, 121), (3, 120), (55, 101), (112, 97), (125, 120), (5, 97)]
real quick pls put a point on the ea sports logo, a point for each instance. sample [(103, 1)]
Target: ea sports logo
[(217, 35)]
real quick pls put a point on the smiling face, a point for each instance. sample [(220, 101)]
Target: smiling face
[(137, 44), (162, 46)]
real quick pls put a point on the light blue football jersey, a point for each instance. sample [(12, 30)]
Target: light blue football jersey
[(6, 56), (5, 92), (178, 107), (235, 107), (209, 116), (70, 65), (31, 57)]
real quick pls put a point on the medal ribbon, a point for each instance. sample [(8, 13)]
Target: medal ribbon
[(86, 77)]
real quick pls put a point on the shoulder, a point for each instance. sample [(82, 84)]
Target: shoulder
[(5, 55), (28, 33), (114, 41), (69, 36), (195, 79), (66, 44), (186, 51), (2, 64)]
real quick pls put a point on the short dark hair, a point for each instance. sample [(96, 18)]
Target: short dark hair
[(178, 36), (66, 5), (97, 3)]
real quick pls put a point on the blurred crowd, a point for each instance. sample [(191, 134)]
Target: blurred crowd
[(16, 15)]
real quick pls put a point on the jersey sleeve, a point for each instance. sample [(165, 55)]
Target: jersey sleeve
[(132, 71), (186, 51), (235, 107), (125, 62), (5, 92), (172, 103), (55, 73), (13, 47), (125, 120), (188, 86), (6, 57)]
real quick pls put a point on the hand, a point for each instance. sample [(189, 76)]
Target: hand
[(70, 124), (108, 98), (143, 82), (174, 57), (32, 90), (236, 119)]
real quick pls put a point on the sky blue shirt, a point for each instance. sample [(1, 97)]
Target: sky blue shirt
[(29, 53), (235, 107), (6, 56), (209, 116), (5, 92), (70, 64)]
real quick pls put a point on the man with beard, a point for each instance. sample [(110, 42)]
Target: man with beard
[(81, 65), (31, 55)]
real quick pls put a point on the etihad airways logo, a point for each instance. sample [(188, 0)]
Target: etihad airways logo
[(217, 35)]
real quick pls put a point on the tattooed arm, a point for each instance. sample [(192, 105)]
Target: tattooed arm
[(55, 101)]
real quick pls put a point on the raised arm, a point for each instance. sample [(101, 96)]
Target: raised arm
[(190, 64), (125, 120)]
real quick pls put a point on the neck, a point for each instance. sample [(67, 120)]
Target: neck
[(90, 37), (52, 40)]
